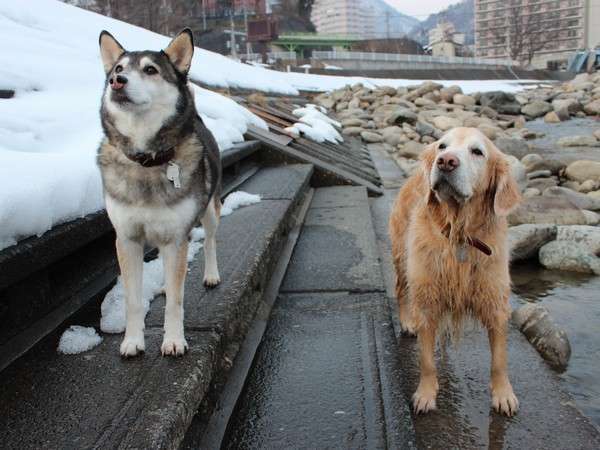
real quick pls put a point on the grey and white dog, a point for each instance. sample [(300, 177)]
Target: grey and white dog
[(161, 174)]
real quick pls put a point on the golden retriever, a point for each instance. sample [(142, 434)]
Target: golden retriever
[(449, 243)]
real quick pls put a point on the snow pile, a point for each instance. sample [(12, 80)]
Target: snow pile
[(236, 200), (315, 125), (78, 339), (50, 130), (113, 306)]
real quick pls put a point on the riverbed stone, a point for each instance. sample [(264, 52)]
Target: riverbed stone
[(371, 137), (525, 240), (583, 170), (516, 147), (547, 210), (411, 149), (537, 108), (502, 102), (570, 256), (543, 333), (578, 141), (577, 198)]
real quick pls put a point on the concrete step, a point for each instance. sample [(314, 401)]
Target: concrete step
[(325, 374), (97, 400)]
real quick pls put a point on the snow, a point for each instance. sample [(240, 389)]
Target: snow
[(50, 130), (78, 339), (315, 125), (113, 305)]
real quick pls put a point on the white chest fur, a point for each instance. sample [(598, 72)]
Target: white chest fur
[(154, 224)]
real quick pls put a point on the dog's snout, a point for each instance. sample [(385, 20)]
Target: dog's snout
[(447, 162), (117, 81)]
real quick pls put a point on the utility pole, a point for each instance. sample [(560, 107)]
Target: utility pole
[(246, 26), (204, 15), (233, 49), (387, 24)]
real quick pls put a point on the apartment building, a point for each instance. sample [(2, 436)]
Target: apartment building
[(350, 17), (560, 27)]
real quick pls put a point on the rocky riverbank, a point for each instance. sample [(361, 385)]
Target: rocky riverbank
[(557, 221)]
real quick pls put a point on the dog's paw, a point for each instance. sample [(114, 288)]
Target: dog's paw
[(504, 400), (132, 346), (408, 329), (424, 398), (212, 281), (173, 346)]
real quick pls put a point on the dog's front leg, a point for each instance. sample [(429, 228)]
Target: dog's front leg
[(503, 397), (426, 393), (175, 264), (130, 255)]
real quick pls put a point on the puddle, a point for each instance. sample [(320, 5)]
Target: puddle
[(574, 302)]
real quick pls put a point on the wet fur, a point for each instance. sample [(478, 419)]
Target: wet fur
[(433, 288)]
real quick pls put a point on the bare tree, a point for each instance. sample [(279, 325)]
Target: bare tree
[(524, 33)]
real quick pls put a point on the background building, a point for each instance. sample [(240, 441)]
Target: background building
[(541, 33), (444, 40), (353, 17)]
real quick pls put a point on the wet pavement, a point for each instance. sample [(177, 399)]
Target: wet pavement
[(573, 300)]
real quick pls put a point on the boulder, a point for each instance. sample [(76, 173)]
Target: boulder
[(448, 93), (371, 137), (531, 159), (597, 134), (577, 198), (425, 129), (500, 101), (531, 192), (569, 256), (535, 109), (583, 170), (408, 166), (411, 149), (353, 122), (588, 186), (547, 210), (592, 108), (422, 89), (539, 174), (578, 141), (393, 135), (551, 117), (542, 183), (571, 105), (513, 146), (353, 131), (553, 165), (445, 123), (465, 100), (589, 236), (402, 115), (526, 240), (541, 331)]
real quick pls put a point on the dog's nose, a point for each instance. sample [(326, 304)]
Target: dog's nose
[(447, 162), (117, 82)]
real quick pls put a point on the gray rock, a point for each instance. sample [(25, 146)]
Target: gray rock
[(393, 135), (541, 331), (531, 192), (537, 108), (539, 174), (592, 108), (411, 149), (553, 165), (518, 171), (513, 146), (570, 256), (587, 235), (542, 183), (353, 131), (578, 141), (583, 170), (500, 101), (424, 129), (530, 159), (401, 115), (552, 117), (353, 122), (371, 137), (571, 105), (547, 210), (465, 100), (445, 123), (577, 198), (526, 240)]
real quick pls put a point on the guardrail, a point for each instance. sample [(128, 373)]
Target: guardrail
[(270, 55), (404, 58)]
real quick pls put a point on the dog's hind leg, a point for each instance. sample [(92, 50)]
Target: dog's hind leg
[(503, 397), (130, 255), (210, 222), (175, 263)]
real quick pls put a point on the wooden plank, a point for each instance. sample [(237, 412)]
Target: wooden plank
[(271, 140), (261, 135), (270, 117)]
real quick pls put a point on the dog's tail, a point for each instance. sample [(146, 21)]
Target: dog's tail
[(211, 159)]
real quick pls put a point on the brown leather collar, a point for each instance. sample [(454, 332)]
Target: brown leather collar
[(473, 242), (152, 159)]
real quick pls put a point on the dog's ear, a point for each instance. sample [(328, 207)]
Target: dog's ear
[(181, 50), (110, 50), (427, 157), (506, 191)]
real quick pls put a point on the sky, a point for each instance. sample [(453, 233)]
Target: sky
[(420, 9)]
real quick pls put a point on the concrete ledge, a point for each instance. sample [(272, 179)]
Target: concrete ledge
[(97, 400)]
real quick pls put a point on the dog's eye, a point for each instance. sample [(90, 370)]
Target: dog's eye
[(476, 151), (442, 146), (150, 70), (119, 68)]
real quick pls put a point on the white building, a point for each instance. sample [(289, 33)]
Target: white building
[(444, 40), (349, 17)]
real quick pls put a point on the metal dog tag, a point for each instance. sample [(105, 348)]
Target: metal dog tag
[(461, 253), (173, 175)]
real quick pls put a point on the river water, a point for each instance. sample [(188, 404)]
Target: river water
[(573, 300)]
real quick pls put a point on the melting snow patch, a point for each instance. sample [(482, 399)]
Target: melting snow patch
[(113, 318), (78, 339), (315, 125), (237, 199)]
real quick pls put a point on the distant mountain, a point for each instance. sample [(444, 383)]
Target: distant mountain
[(460, 14), (389, 20)]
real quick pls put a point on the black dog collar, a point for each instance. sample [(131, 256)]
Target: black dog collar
[(146, 159)]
